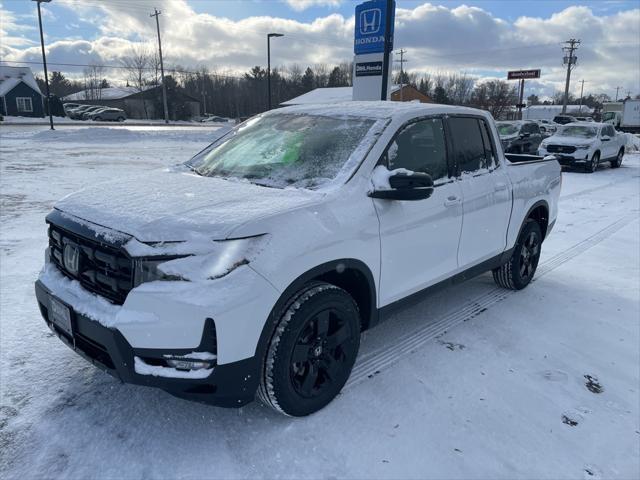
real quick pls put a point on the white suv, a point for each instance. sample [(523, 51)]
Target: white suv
[(255, 266)]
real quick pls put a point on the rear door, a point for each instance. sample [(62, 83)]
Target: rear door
[(609, 147), (486, 196), (419, 239)]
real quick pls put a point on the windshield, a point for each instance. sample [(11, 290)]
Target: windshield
[(608, 116), (578, 131), (282, 150), (505, 129)]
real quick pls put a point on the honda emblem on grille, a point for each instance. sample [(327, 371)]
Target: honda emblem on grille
[(71, 259)]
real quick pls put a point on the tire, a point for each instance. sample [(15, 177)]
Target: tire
[(518, 272), (97, 119), (121, 119), (592, 167), (615, 163), (312, 351)]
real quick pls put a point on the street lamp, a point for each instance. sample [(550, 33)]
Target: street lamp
[(44, 62), (269, 35)]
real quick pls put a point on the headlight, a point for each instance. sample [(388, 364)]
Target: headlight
[(583, 147), (146, 270), (544, 144), (208, 262)]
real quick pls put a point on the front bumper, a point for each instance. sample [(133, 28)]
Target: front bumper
[(229, 385), (577, 158)]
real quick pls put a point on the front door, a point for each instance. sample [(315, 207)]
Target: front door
[(419, 239), (486, 195)]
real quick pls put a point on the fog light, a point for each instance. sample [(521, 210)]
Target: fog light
[(183, 364)]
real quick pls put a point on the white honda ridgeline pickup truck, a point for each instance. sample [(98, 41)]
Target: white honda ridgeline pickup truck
[(253, 268)]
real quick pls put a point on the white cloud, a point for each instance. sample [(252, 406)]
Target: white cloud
[(300, 5), (437, 38)]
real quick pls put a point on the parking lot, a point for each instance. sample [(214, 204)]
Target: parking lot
[(473, 382)]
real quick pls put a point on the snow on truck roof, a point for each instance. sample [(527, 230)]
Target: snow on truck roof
[(373, 109)]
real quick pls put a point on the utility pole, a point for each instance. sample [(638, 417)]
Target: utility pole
[(581, 92), (570, 60), (164, 85), (269, 36), (617, 90), (44, 63), (401, 61)]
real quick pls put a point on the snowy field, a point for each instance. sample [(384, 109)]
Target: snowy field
[(474, 382)]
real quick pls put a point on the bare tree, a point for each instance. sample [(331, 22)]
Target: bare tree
[(137, 64), (93, 82), (496, 96)]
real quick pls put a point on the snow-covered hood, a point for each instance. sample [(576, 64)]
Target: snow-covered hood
[(178, 205), (571, 141)]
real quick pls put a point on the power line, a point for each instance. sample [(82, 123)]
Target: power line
[(118, 67), (164, 83), (570, 60), (402, 61)]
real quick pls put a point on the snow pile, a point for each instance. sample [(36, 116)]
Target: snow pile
[(117, 135), (143, 368), (381, 175), (195, 356)]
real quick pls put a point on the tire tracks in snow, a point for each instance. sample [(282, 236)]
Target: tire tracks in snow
[(373, 362)]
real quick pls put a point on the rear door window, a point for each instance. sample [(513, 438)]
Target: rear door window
[(468, 145)]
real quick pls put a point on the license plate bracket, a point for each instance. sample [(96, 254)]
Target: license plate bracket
[(60, 316)]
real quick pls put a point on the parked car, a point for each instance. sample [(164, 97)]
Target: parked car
[(108, 114), (564, 119), (585, 145), (521, 137), (255, 267), (585, 119), (79, 113), (69, 107), (216, 119), (86, 115), (547, 127)]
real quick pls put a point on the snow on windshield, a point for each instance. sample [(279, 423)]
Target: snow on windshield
[(578, 131), (285, 150), (507, 128)]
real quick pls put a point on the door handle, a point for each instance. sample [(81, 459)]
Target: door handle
[(500, 186), (451, 201)]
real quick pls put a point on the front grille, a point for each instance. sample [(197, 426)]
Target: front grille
[(101, 269), (561, 149)]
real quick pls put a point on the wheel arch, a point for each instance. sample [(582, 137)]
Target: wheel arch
[(539, 212), (350, 274)]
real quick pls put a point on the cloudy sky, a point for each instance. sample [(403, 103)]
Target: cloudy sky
[(481, 38)]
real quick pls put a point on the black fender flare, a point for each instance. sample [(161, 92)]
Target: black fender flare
[(535, 206), (316, 273)]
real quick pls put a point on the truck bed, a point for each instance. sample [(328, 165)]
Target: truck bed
[(521, 158)]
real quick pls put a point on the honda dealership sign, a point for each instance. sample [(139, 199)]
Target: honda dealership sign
[(370, 27), (373, 42)]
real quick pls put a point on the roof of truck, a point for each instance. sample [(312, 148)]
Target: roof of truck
[(375, 109)]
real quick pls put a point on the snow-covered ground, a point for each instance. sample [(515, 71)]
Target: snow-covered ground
[(473, 382)]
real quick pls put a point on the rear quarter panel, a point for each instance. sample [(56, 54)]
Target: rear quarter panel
[(531, 183)]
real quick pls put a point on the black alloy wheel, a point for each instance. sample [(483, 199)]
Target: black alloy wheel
[(529, 256), (312, 351), (319, 356)]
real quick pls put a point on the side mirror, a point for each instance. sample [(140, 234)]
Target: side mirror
[(605, 139), (525, 135), (414, 186)]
